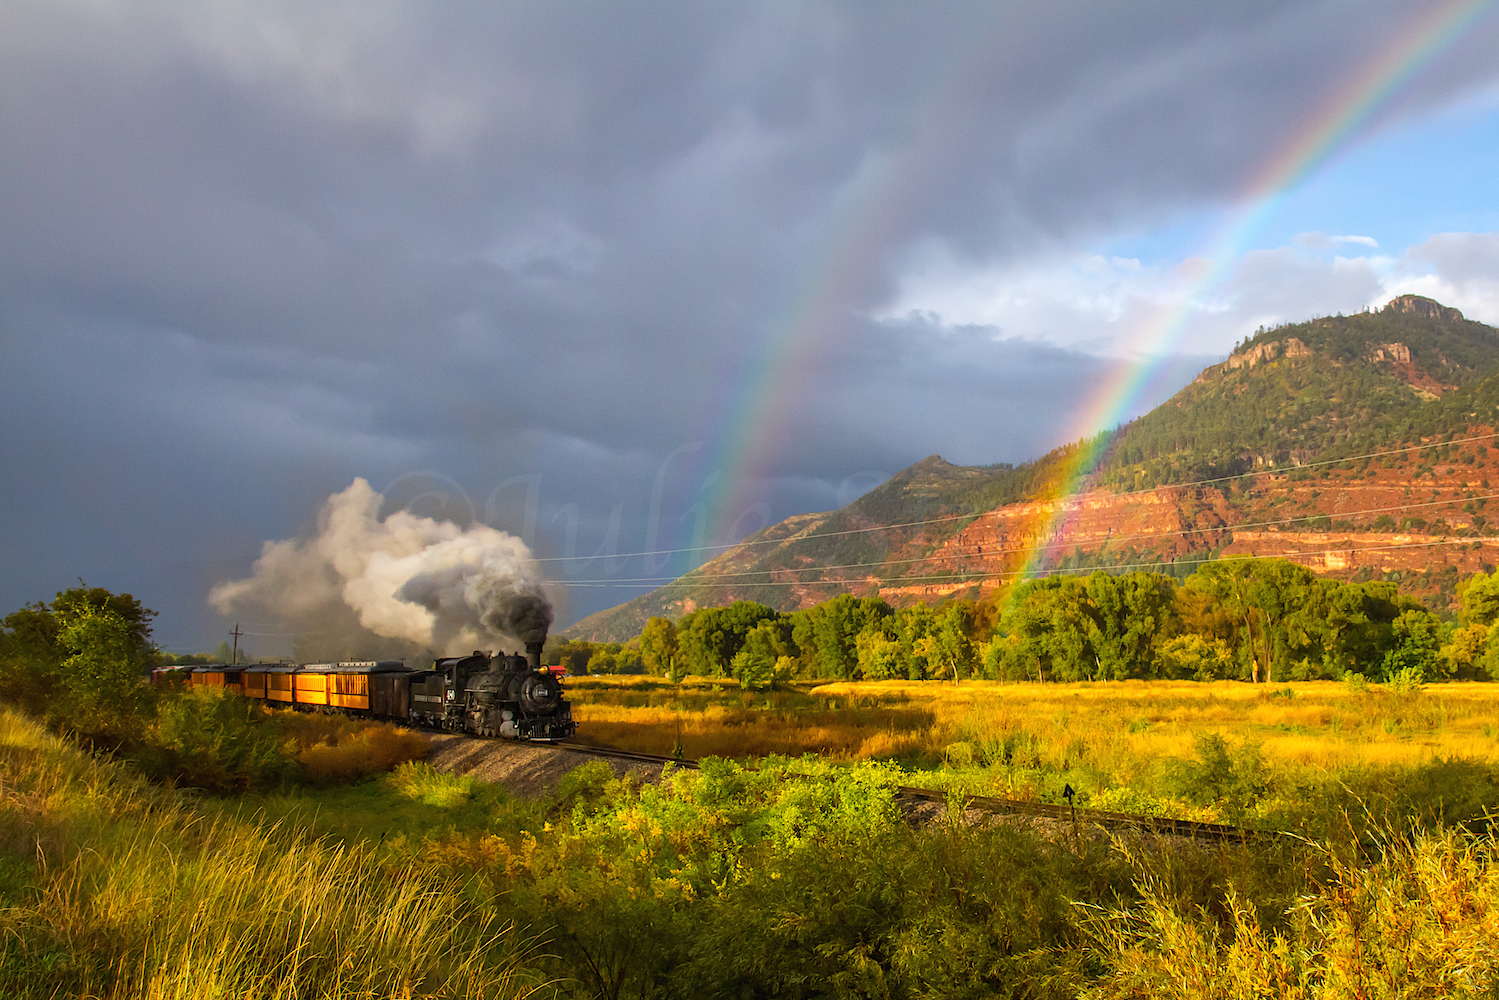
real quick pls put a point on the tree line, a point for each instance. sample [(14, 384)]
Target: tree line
[(1258, 620)]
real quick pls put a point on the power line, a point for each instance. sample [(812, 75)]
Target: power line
[(977, 577), (664, 581), (724, 547)]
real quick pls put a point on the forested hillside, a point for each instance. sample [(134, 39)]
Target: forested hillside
[(1249, 442)]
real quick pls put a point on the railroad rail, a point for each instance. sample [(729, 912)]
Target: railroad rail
[(988, 803)]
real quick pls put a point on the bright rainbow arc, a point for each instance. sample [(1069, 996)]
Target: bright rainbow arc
[(1341, 117)]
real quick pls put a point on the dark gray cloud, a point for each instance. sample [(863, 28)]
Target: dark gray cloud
[(516, 262)]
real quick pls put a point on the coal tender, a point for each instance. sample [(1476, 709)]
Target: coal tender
[(508, 696)]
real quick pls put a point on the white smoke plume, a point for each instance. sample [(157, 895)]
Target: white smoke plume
[(432, 583)]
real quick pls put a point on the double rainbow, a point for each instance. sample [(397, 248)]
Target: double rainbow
[(867, 211)]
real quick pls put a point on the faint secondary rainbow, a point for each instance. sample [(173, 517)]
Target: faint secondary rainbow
[(756, 416), (1324, 134)]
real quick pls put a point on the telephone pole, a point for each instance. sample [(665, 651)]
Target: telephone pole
[(234, 660)]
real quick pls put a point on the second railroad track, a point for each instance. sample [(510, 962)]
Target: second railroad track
[(991, 804)]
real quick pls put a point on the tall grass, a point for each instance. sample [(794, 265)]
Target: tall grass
[(1419, 920), (1322, 724), (371, 750), (117, 888)]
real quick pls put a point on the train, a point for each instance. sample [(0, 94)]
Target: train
[(509, 696)]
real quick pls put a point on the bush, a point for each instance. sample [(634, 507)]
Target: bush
[(1232, 779), (1406, 680), (203, 738)]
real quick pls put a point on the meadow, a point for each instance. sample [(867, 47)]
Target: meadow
[(1219, 751), (789, 875)]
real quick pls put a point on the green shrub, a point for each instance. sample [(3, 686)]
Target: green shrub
[(1406, 680), (206, 739), (1233, 779)]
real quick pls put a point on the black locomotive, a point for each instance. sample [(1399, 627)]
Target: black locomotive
[(514, 697), (509, 696)]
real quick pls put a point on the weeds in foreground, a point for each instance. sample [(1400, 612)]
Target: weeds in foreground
[(800, 878), (114, 888), (1419, 920)]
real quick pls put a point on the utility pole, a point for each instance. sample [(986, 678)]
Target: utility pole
[(234, 660)]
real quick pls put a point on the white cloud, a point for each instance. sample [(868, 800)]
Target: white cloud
[(1123, 307), (1317, 240), (1456, 269)]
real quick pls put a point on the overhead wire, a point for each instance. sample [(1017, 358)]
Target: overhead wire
[(960, 576), (1278, 470), (1036, 548)]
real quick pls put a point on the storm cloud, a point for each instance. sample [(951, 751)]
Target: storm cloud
[(520, 265)]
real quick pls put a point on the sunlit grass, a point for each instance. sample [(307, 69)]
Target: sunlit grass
[(339, 748), (1314, 723), (1117, 742), (112, 887)]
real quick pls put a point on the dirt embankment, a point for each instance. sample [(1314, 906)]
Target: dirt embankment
[(523, 769)]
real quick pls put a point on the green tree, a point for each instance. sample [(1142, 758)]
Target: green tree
[(766, 652), (658, 647), (87, 652), (880, 657), (102, 668), (835, 627), (911, 625), (1480, 598), (948, 645), (709, 638), (1418, 641), (1263, 597), (1129, 614), (1195, 657), (1048, 628)]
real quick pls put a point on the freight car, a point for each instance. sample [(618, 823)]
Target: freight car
[(509, 696)]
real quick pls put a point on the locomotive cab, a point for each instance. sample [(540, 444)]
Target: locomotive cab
[(436, 694)]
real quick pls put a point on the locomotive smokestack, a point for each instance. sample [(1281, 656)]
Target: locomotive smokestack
[(533, 654)]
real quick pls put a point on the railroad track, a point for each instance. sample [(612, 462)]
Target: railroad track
[(991, 804)]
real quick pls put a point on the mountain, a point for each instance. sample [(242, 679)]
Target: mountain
[(1342, 442)]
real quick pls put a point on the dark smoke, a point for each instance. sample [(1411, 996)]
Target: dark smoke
[(528, 617), (459, 595)]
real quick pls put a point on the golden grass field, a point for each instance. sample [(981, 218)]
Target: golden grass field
[(1320, 724)]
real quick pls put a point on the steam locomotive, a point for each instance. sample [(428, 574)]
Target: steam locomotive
[(514, 697)]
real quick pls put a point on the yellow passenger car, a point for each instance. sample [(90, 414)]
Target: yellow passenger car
[(311, 685), (218, 675)]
